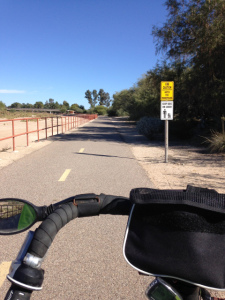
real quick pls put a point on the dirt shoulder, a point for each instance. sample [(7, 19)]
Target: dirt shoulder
[(8, 156), (186, 165)]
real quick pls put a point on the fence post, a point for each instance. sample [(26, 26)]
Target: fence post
[(13, 133), (38, 129), (52, 126), (27, 132), (46, 128)]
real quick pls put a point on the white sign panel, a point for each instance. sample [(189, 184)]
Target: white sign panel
[(166, 110)]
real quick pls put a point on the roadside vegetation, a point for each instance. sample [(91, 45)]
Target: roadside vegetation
[(216, 143), (22, 114), (192, 40)]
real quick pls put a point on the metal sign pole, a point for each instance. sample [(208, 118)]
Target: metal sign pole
[(166, 98), (166, 140)]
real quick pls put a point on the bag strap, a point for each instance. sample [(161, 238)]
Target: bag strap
[(193, 196)]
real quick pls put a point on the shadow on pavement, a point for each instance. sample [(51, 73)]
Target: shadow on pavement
[(103, 155), (118, 130)]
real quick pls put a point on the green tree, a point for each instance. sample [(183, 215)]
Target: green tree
[(94, 97), (26, 105), (38, 104), (193, 28), (65, 103), (194, 34), (74, 107), (15, 105), (122, 102), (63, 109), (2, 106), (100, 110), (103, 98), (77, 108), (57, 105), (51, 104), (88, 96)]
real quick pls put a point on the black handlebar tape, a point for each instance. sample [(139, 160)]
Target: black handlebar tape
[(93, 205), (46, 232), (115, 205), (17, 293)]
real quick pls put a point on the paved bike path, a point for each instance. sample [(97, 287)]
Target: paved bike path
[(85, 260)]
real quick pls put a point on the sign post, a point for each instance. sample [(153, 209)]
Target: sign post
[(166, 112)]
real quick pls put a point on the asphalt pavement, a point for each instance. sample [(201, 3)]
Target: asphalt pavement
[(85, 260)]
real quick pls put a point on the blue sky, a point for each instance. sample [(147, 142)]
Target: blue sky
[(60, 48)]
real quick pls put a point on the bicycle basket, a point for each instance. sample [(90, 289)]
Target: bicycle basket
[(178, 234)]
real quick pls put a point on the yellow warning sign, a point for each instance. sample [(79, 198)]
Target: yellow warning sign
[(167, 91)]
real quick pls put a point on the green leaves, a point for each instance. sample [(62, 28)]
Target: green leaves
[(93, 97), (2, 106)]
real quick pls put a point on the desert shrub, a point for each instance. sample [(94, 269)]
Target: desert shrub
[(149, 126), (63, 109), (90, 111), (2, 106), (112, 112), (79, 110), (122, 113), (216, 143), (100, 110)]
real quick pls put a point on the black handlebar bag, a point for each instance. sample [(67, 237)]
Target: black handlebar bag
[(178, 234)]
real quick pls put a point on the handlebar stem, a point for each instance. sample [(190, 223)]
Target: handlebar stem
[(28, 278)]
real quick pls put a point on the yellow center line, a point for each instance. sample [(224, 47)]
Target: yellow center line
[(81, 150), (64, 175), (4, 270)]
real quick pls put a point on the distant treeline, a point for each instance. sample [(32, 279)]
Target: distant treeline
[(49, 104), (99, 103)]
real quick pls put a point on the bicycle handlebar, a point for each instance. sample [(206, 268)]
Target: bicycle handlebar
[(46, 232), (30, 277), (82, 206)]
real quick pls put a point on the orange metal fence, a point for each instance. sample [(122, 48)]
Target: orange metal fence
[(57, 125)]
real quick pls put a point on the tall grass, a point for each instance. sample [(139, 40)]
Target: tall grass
[(216, 143)]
